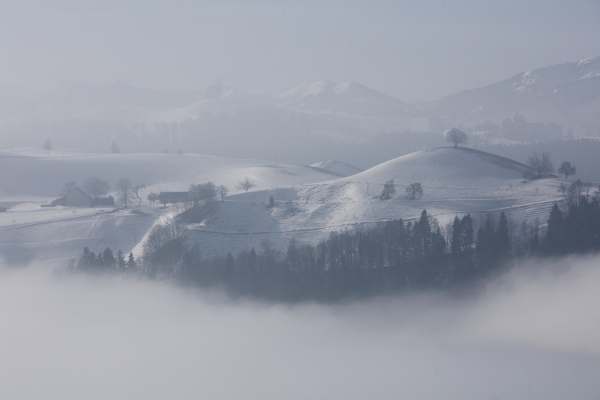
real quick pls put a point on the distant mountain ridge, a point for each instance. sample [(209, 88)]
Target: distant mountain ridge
[(567, 93), (328, 118), (342, 97)]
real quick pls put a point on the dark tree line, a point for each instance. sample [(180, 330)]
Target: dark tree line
[(105, 261), (390, 257), (574, 230)]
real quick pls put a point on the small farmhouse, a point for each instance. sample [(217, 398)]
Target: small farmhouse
[(174, 197), (76, 197)]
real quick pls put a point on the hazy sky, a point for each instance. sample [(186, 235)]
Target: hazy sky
[(415, 50)]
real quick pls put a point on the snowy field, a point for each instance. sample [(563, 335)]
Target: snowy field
[(31, 178), (455, 181), (36, 173), (309, 203)]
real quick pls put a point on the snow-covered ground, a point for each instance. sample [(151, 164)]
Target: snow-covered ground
[(308, 202), (335, 167), (455, 181), (44, 174), (62, 233), (29, 179)]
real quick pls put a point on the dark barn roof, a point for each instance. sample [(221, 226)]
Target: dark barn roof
[(174, 197)]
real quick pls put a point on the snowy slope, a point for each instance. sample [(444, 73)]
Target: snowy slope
[(51, 234), (309, 204), (44, 174), (29, 230), (454, 181), (335, 167)]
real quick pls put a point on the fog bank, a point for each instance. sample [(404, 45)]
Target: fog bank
[(534, 334)]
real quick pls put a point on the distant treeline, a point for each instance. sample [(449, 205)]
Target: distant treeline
[(391, 257)]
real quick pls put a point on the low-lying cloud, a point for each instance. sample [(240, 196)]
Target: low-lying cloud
[(534, 334)]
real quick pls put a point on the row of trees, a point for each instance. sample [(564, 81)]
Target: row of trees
[(414, 191), (106, 261), (96, 187), (574, 230), (391, 256), (541, 164)]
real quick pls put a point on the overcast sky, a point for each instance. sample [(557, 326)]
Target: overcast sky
[(415, 50)]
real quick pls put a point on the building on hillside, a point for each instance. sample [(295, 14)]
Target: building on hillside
[(76, 197), (174, 197)]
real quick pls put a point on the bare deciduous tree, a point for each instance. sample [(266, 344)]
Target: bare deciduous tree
[(152, 198), (136, 191), (456, 137), (414, 191), (541, 164), (222, 190), (567, 169), (246, 184), (124, 189), (389, 190)]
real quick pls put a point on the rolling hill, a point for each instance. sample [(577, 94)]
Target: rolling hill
[(455, 181), (29, 179), (29, 173), (309, 204)]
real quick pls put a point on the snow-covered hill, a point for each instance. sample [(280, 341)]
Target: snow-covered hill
[(335, 167), (29, 179), (308, 203), (37, 173), (62, 233), (454, 181)]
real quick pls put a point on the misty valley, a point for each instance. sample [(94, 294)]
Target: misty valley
[(261, 271), (329, 199)]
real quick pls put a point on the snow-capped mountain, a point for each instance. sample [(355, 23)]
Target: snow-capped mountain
[(566, 93), (342, 98), (323, 119)]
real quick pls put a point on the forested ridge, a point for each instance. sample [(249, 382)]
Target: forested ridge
[(392, 257)]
